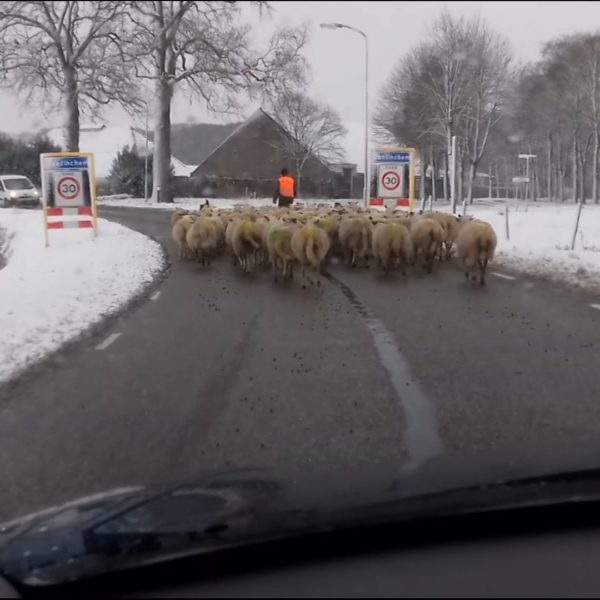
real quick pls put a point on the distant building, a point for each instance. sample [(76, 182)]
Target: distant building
[(223, 160), (105, 142), (244, 159)]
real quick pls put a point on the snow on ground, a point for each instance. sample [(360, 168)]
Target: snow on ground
[(48, 296), (540, 239)]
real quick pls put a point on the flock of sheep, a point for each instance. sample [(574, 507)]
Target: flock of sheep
[(309, 238)]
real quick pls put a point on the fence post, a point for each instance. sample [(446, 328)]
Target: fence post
[(506, 222), (579, 208)]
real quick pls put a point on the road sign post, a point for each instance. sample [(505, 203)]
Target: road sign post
[(68, 190), (394, 166)]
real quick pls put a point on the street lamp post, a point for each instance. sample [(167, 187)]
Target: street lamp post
[(367, 180)]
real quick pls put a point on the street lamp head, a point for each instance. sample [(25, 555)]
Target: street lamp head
[(331, 25)]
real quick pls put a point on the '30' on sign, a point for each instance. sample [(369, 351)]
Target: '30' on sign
[(68, 189), (390, 181)]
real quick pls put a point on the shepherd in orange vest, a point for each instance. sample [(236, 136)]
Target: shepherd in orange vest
[(286, 189)]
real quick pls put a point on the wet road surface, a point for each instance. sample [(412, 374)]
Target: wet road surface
[(218, 369)]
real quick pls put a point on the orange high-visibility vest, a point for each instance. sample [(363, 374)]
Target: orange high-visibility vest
[(286, 186)]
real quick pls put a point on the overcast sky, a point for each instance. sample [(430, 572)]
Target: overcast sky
[(337, 57)]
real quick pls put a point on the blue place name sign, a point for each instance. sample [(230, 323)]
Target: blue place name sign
[(392, 157), (71, 162)]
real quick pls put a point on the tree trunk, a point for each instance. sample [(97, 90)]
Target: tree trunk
[(582, 186), (497, 180), (595, 166), (560, 173), (575, 171), (472, 171), (422, 181), (298, 179), (72, 107), (549, 191), (460, 181), (446, 198), (433, 178), (161, 159)]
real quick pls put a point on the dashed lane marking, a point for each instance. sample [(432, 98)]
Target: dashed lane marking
[(596, 306), (503, 276), (108, 341)]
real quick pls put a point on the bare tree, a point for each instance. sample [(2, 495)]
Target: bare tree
[(314, 130), (67, 51), (451, 84), (405, 113), (488, 74), (205, 47)]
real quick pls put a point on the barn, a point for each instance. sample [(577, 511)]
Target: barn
[(244, 160)]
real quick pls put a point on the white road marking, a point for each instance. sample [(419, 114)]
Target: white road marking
[(503, 276), (421, 434), (108, 341), (155, 296), (596, 306)]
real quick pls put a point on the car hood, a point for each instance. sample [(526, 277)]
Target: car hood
[(136, 526)]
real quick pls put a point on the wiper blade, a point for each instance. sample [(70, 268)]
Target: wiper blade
[(201, 519)]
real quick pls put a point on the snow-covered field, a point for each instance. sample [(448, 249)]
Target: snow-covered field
[(48, 296), (540, 237), (540, 240)]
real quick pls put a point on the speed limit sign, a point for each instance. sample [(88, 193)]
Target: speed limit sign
[(390, 179), (68, 189)]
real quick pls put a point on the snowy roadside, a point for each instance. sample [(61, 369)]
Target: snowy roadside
[(49, 296), (540, 240), (3, 247)]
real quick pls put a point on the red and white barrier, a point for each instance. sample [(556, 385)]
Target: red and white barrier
[(57, 215), (381, 202)]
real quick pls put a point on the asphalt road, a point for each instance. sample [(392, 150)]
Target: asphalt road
[(218, 369)]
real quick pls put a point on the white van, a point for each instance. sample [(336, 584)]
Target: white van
[(17, 190)]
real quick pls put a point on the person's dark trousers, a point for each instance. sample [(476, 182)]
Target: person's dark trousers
[(285, 201)]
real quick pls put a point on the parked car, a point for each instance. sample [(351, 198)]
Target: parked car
[(17, 190)]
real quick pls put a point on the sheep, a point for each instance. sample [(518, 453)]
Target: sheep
[(279, 247), (475, 246), (246, 242), (181, 225), (310, 245), (355, 238), (392, 246), (449, 222), (176, 215), (427, 236), (262, 223), (330, 224), (220, 227), (201, 239)]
